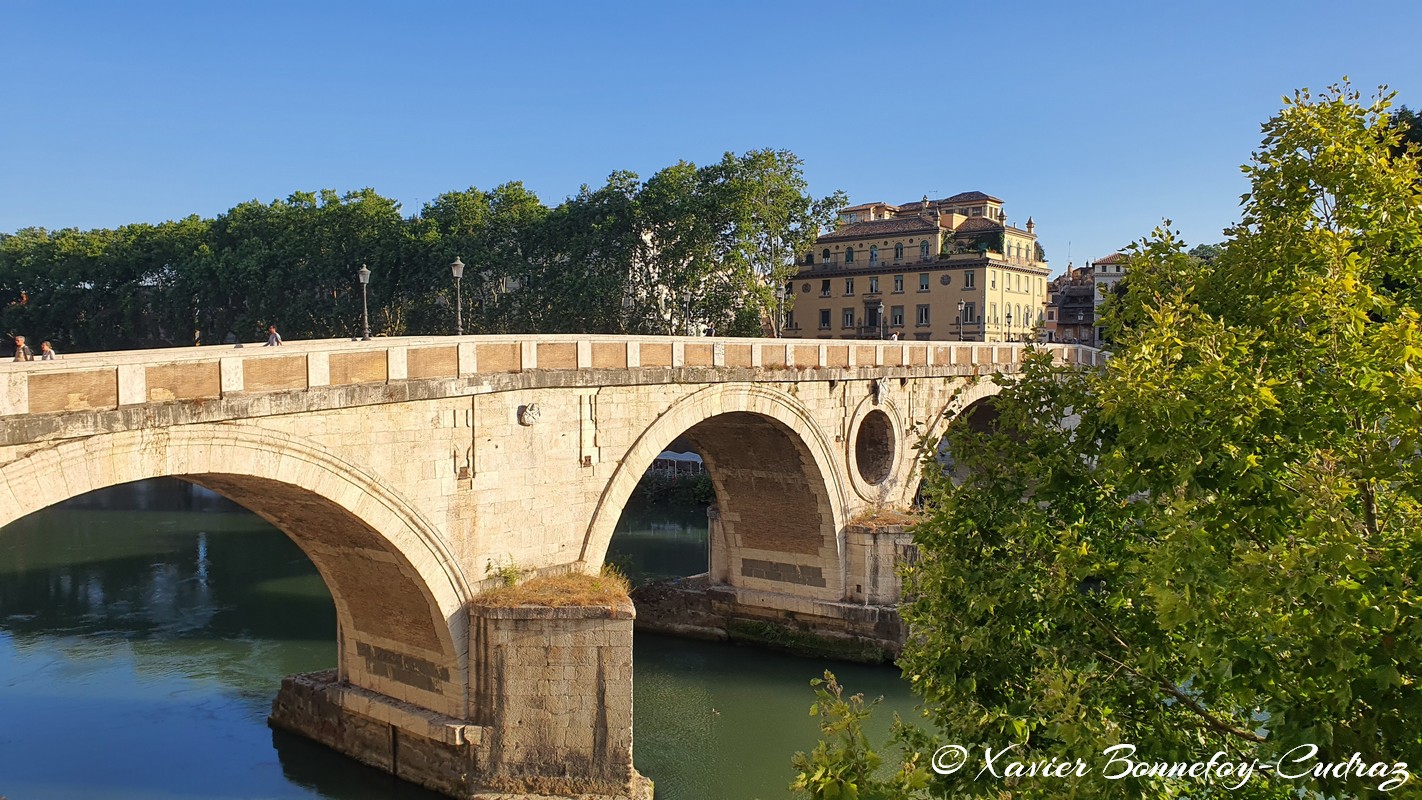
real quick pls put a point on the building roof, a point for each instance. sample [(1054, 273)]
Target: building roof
[(893, 226), (978, 224), (1114, 258), (962, 197), (869, 205), (970, 197)]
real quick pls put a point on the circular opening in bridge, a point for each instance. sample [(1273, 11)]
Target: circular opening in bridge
[(874, 447)]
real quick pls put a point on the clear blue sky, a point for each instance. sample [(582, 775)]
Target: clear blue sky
[(1097, 119)]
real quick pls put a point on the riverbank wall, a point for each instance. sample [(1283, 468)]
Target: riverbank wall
[(864, 627)]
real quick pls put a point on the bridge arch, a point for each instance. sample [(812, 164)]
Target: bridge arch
[(780, 494), (399, 593), (968, 403)]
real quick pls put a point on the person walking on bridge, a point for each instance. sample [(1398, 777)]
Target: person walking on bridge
[(273, 338), (22, 351)]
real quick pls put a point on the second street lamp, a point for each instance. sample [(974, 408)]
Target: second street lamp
[(364, 306), (458, 269), (960, 320)]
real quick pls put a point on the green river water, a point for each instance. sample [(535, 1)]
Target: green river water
[(144, 631)]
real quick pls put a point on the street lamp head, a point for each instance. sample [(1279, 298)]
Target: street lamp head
[(960, 306), (457, 268), (364, 274)]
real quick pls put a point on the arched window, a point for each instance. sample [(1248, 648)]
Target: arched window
[(873, 254), (898, 251), (849, 255), (923, 250), (809, 259), (825, 255)]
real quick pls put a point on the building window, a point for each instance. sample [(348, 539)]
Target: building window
[(968, 276), (921, 315), (899, 251), (849, 286), (849, 255), (809, 259), (853, 217), (923, 250), (848, 318), (825, 256), (970, 312), (923, 281), (898, 284), (873, 284), (790, 320), (994, 318), (824, 319), (896, 316), (873, 254), (992, 279), (824, 288), (1051, 315)]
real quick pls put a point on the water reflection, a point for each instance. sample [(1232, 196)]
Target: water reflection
[(145, 629), (651, 544)]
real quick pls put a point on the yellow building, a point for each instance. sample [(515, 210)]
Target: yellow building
[(935, 269)]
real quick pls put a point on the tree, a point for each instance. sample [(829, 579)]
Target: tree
[(765, 218), (1213, 544), (1207, 252), (1404, 121)]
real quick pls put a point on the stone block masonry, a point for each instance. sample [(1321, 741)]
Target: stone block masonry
[(407, 468), (551, 706)]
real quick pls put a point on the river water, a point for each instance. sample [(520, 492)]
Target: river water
[(145, 629)]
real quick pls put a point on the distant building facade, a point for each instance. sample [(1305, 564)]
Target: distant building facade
[(1107, 272), (1071, 307), (934, 269)]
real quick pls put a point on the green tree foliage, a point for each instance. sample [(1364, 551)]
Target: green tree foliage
[(1207, 252), (1404, 121), (692, 247), (843, 766), (1212, 545)]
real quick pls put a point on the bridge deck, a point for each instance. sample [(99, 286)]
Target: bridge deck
[(109, 380)]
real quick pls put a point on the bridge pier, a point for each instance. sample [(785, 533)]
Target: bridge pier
[(550, 712)]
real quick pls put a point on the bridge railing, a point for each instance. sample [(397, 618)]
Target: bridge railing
[(92, 381)]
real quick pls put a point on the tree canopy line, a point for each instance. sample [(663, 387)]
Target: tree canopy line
[(687, 249), (1213, 545)]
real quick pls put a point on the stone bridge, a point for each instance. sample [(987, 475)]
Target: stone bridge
[(410, 470)]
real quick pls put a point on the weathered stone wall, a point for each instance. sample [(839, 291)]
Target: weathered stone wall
[(407, 468), (553, 690), (873, 554), (552, 711), (409, 742)]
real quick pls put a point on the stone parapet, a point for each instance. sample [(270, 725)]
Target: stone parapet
[(112, 380)]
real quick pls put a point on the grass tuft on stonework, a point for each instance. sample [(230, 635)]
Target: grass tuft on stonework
[(876, 518), (574, 589)]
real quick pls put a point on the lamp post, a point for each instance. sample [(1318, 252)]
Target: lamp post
[(458, 269), (960, 320), (880, 309), (364, 306), (777, 319)]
